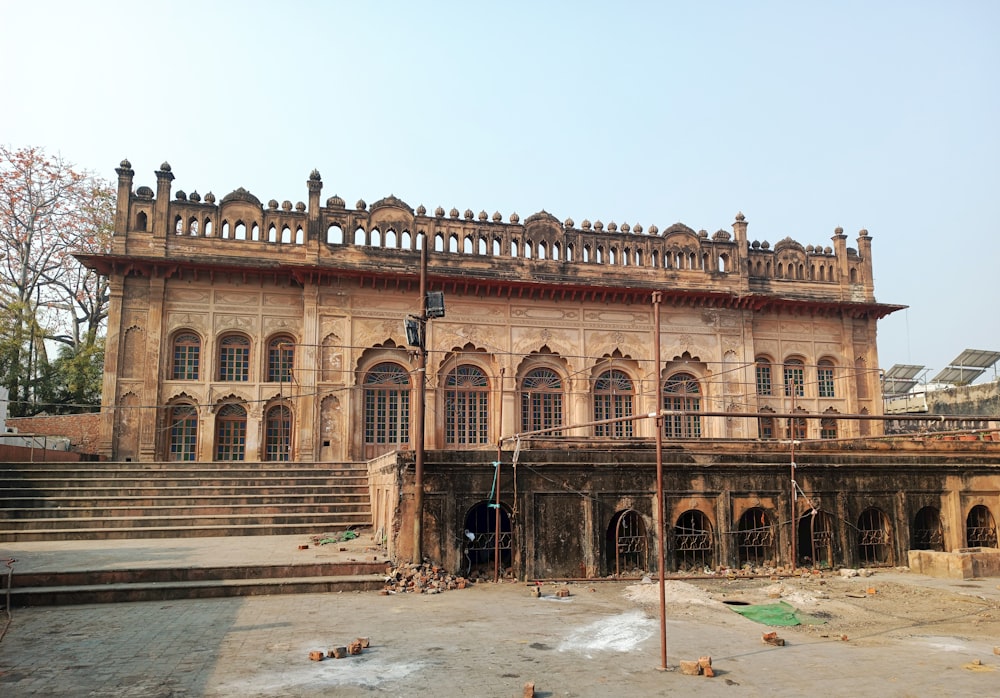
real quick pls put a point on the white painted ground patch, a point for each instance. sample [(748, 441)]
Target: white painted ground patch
[(619, 633)]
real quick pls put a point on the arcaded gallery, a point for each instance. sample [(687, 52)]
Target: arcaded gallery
[(515, 385)]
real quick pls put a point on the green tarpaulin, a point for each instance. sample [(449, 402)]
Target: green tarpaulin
[(775, 614)]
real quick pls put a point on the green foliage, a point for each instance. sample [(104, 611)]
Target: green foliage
[(72, 383)]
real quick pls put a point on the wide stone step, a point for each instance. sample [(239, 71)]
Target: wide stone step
[(138, 480), (357, 504), (207, 490), (169, 591), (71, 503), (93, 530)]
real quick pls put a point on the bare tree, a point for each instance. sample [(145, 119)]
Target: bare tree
[(48, 209)]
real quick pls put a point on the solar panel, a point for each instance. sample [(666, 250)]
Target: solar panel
[(903, 371), (897, 386), (977, 358), (957, 375)]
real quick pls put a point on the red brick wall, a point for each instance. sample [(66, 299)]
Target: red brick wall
[(81, 429)]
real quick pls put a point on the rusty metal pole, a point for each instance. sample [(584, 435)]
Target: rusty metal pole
[(421, 389), (660, 508), (496, 526), (793, 534)]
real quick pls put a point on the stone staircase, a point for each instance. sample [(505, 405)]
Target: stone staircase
[(103, 500)]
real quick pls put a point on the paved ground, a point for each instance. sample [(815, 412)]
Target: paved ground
[(915, 636)]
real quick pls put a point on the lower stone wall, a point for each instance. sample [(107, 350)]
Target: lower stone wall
[(579, 513)]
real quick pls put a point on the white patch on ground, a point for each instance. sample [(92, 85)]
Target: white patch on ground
[(944, 643), (369, 670), (620, 633)]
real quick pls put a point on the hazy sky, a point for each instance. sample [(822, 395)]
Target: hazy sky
[(805, 116)]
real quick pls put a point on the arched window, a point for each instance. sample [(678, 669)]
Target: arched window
[(824, 378), (794, 378), (765, 425), (234, 358), (185, 357), (140, 220), (926, 531), (278, 433), (183, 431), (682, 393), (387, 405), (694, 542), (231, 432), (798, 429), (467, 406), (763, 376), (280, 359), (828, 425), (613, 400), (541, 401), (980, 528)]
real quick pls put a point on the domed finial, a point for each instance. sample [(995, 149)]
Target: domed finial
[(165, 167), (314, 175), (125, 164)]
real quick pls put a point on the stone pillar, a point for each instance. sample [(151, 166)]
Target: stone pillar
[(840, 252), (308, 359), (122, 212), (109, 389), (151, 418)]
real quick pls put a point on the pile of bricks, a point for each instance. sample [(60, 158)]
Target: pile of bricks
[(697, 667), (426, 578), (353, 648)]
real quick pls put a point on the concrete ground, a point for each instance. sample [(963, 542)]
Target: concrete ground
[(913, 636)]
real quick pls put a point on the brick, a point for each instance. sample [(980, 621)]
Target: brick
[(316, 656), (690, 667), (529, 690), (337, 652), (705, 661), (708, 671), (354, 648), (562, 593), (365, 642)]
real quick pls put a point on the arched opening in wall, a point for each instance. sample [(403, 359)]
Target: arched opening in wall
[(654, 258), (272, 233), (926, 533), (693, 262), (496, 247), (599, 257), (569, 253), (193, 226), (779, 270), (255, 232), (874, 539), (627, 544), (612, 256), (723, 261), (182, 431), (467, 406), (391, 239), (481, 247), (406, 240), (419, 240), (765, 425), (225, 230), (681, 393), (693, 542), (300, 236), (828, 426), (613, 395), (208, 227), (798, 428), (375, 237), (586, 253), (814, 544), (453, 243), (386, 408), (527, 249), (439, 242), (541, 401), (360, 237), (482, 537), (755, 539), (141, 220), (335, 235), (178, 226), (626, 257), (556, 252), (543, 251), (854, 276), (231, 432), (240, 231), (980, 528), (467, 245), (278, 433)]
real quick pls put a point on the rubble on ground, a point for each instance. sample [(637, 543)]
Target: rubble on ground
[(424, 578)]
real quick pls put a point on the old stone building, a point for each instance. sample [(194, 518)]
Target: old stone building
[(278, 332)]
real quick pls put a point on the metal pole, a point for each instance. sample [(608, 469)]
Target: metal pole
[(421, 389), (496, 527), (660, 508), (795, 524)]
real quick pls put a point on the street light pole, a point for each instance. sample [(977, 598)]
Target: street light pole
[(660, 505), (421, 392)]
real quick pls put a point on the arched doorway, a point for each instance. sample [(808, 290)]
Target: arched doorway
[(814, 545), (980, 528), (694, 542), (755, 539), (874, 539), (628, 544), (481, 537), (926, 533)]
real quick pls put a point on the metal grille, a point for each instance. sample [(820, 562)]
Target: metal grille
[(681, 392), (387, 405), (280, 358), (631, 544), (763, 377), (234, 358), (874, 539), (926, 532), (824, 378), (277, 433), (980, 528), (755, 538), (794, 378), (693, 542)]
